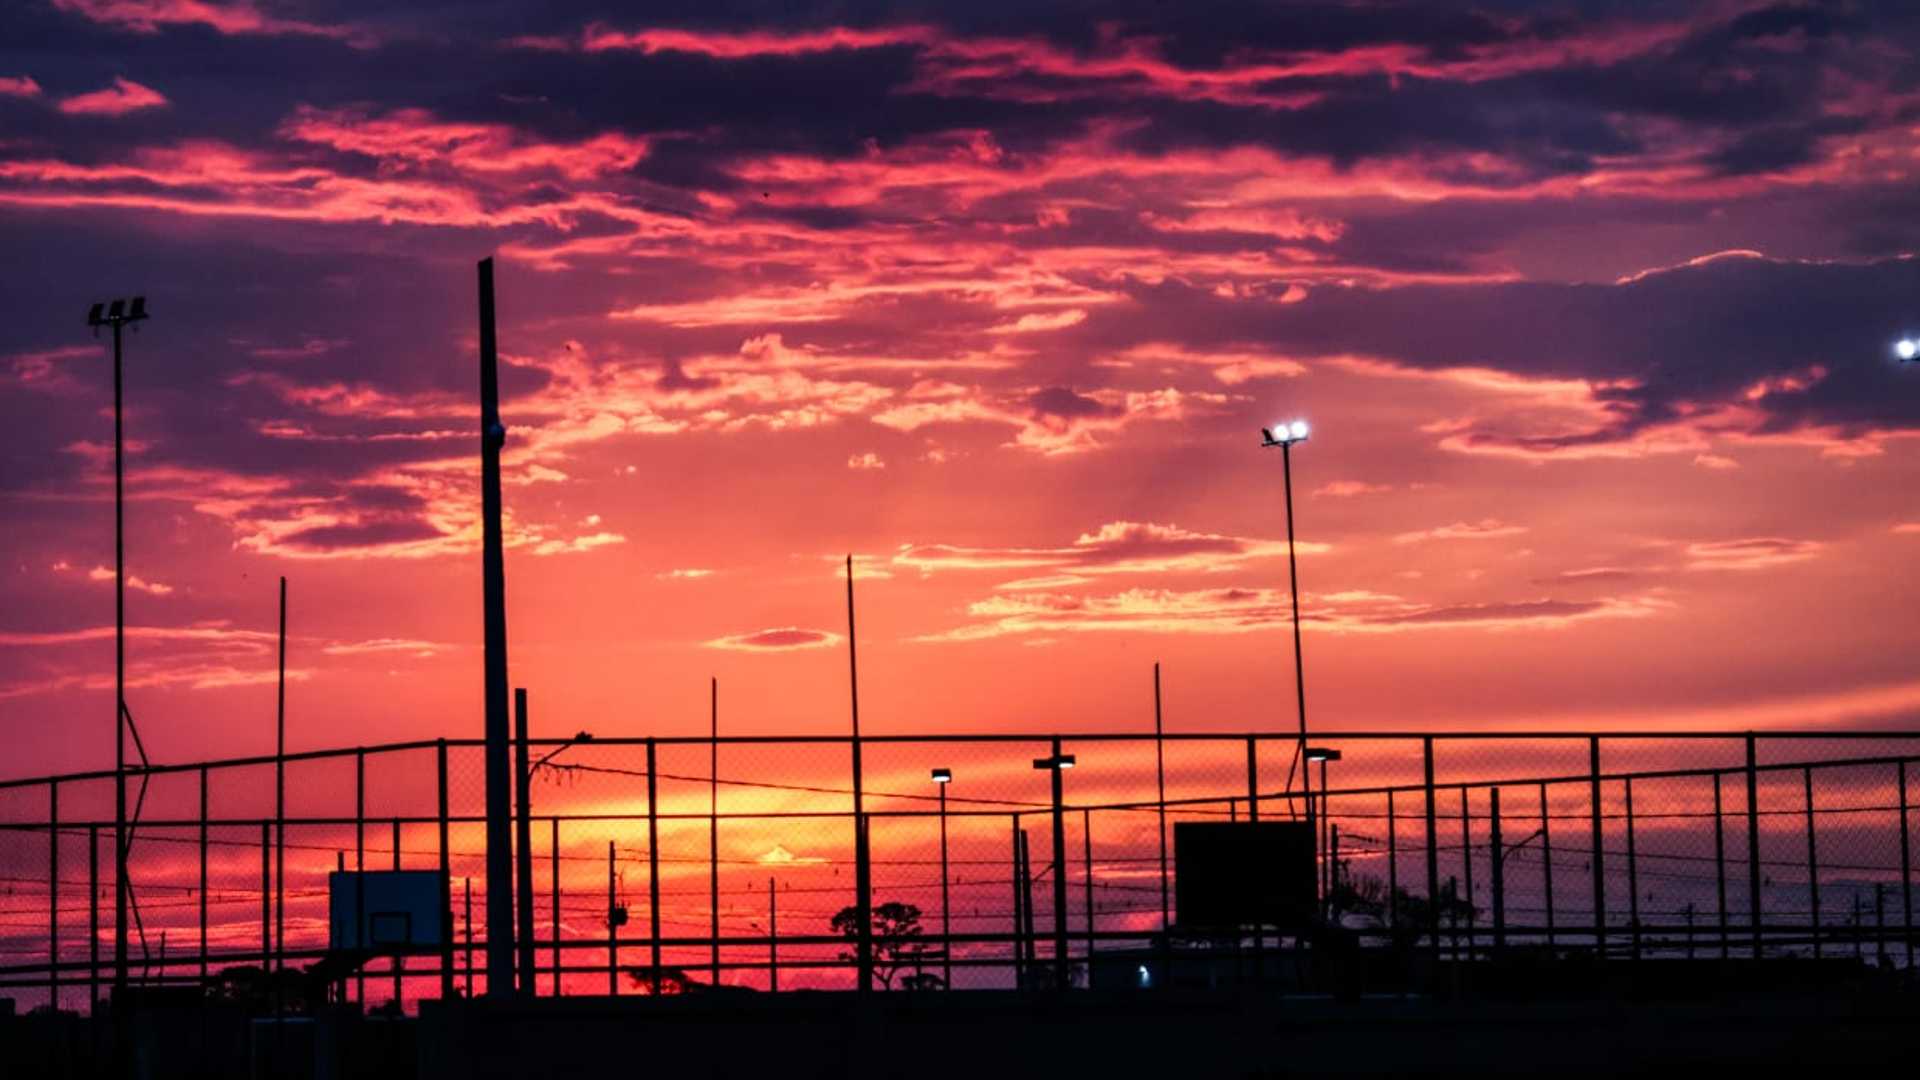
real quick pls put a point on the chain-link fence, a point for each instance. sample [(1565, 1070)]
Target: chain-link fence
[(671, 865)]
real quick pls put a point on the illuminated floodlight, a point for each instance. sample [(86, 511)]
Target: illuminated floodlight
[(1322, 753), (1907, 348), (1056, 761), (1285, 433), (943, 776)]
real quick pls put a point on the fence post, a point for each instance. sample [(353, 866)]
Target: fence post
[(203, 874), (1253, 815), (1599, 851), (360, 864), (446, 877), (53, 895), (1906, 868), (1393, 864), (1498, 853), (553, 864), (1546, 859), (1753, 844), (1633, 875), (1019, 912), (613, 924), (653, 865), (1086, 847), (1813, 862), (1720, 866), (1433, 850), (1466, 862), (93, 917), (399, 962), (266, 896)]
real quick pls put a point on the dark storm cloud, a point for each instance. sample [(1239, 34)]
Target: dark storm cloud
[(1724, 332)]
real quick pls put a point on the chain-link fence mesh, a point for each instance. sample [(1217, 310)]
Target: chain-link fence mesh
[(681, 864)]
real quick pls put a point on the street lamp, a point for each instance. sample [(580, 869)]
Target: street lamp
[(1056, 764), (523, 828), (1907, 349), (117, 314), (941, 778), (1284, 436), (1322, 755)]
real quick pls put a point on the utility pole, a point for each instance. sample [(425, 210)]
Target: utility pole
[(499, 770), (117, 315), (862, 862)]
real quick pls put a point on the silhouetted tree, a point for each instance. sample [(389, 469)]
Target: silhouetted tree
[(897, 944), (1408, 917)]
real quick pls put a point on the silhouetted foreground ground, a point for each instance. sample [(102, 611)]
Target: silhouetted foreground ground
[(994, 1036)]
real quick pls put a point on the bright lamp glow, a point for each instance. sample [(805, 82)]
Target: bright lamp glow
[(1298, 429), (1906, 348)]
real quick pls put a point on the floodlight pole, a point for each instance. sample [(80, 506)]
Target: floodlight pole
[(116, 317), (1293, 588), (119, 691), (499, 769)]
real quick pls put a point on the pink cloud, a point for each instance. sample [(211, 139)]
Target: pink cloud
[(149, 16), (1485, 529), (779, 639), (123, 97), (19, 86)]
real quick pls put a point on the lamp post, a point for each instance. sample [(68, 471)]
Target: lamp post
[(117, 314), (523, 830), (1057, 763), (1284, 436), (941, 778), (1317, 823)]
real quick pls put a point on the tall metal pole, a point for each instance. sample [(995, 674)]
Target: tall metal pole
[(499, 769), (119, 691), (713, 823), (280, 797), (946, 903), (1293, 588), (862, 869), (523, 837)]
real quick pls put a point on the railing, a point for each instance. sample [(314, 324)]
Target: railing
[(731, 859)]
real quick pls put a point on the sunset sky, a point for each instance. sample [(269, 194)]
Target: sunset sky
[(1591, 305)]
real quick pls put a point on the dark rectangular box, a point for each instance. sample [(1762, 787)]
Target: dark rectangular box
[(1244, 873)]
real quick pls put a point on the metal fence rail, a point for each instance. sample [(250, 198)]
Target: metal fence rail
[(688, 861)]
